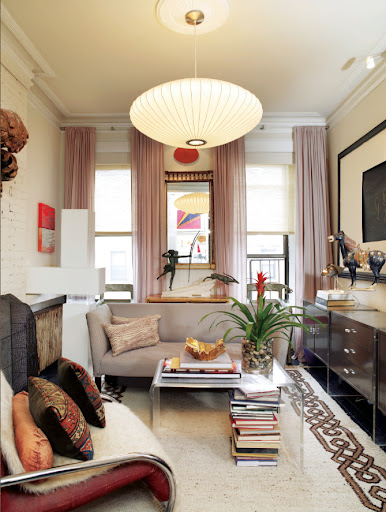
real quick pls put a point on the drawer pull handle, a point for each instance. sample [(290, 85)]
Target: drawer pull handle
[(345, 370), (347, 330), (354, 331), (352, 351), (346, 350), (352, 371), (349, 371)]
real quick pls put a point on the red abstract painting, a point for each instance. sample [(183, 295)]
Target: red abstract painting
[(46, 226)]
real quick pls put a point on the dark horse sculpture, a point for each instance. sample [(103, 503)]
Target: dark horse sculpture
[(354, 257)]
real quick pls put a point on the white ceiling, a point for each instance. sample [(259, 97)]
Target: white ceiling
[(289, 53)]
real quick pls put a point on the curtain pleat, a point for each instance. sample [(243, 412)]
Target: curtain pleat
[(79, 174), (313, 251), (148, 214), (230, 217)]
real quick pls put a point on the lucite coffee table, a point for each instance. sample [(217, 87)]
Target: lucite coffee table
[(291, 412)]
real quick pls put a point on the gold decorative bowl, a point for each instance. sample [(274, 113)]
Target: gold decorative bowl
[(204, 351)]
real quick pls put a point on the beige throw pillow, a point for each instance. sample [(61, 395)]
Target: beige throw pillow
[(139, 333), (119, 320)]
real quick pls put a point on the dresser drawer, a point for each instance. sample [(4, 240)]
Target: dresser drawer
[(353, 374), (353, 353), (352, 332)]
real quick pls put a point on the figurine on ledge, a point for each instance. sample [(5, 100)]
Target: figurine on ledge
[(171, 266)]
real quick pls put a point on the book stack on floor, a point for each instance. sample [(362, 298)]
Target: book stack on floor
[(186, 366), (333, 299), (255, 426)]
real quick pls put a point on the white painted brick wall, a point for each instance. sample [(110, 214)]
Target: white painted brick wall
[(14, 199)]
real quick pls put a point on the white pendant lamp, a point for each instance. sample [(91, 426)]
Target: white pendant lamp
[(198, 202), (196, 112)]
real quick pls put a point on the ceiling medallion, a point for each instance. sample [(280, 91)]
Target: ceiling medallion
[(171, 14)]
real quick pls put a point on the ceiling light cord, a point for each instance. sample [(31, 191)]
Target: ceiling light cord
[(195, 50)]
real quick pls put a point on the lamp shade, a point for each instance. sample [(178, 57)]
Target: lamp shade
[(196, 112), (198, 202)]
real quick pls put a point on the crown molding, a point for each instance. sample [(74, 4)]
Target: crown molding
[(13, 63), (46, 112), (366, 86), (26, 43), (51, 95)]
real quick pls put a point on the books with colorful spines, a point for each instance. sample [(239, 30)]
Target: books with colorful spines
[(257, 444), (250, 422), (335, 303), (333, 295), (260, 453), (171, 369), (268, 436), (269, 393), (222, 362), (260, 429), (251, 403)]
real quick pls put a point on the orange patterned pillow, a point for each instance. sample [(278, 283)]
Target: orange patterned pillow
[(32, 445)]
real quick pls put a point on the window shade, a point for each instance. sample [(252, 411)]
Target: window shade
[(271, 199)]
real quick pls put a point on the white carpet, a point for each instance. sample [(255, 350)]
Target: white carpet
[(343, 470)]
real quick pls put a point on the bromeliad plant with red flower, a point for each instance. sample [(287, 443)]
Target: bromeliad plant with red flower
[(259, 324)]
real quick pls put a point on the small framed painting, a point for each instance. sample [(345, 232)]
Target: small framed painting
[(46, 228)]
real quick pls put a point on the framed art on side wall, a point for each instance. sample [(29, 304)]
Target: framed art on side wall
[(46, 229), (362, 195)]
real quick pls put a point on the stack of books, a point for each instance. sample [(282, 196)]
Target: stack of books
[(327, 299), (255, 426), (186, 366)]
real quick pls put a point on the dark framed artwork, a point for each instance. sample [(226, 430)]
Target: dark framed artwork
[(374, 203), (362, 190)]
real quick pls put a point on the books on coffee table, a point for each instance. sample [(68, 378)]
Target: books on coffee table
[(172, 369), (222, 362)]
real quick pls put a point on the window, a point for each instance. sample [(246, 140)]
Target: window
[(270, 222), (113, 238)]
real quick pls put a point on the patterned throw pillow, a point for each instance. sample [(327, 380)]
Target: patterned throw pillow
[(60, 419), (33, 447), (75, 381), (139, 333)]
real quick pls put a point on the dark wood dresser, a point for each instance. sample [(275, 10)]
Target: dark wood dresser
[(353, 346), (382, 370)]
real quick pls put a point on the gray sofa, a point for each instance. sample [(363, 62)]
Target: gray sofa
[(178, 321)]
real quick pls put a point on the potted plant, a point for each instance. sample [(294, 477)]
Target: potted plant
[(259, 325)]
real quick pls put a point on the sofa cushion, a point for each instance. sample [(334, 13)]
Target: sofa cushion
[(77, 383), (139, 333), (60, 419), (34, 449)]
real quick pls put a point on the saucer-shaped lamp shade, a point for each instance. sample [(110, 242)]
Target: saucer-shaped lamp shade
[(196, 112), (198, 202)]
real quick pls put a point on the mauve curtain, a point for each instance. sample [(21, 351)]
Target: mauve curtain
[(230, 217), (313, 251), (79, 174), (148, 214)]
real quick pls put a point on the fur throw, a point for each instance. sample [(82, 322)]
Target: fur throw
[(124, 433)]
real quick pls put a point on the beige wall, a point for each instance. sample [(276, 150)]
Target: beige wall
[(370, 112), (44, 149)]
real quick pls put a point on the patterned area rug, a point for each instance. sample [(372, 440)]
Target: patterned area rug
[(116, 392), (343, 470), (362, 473)]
